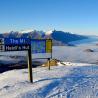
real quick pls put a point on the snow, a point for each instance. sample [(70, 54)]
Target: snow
[(26, 31), (49, 32), (78, 78)]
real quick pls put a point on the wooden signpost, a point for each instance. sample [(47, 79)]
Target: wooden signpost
[(24, 44), (18, 44), (30, 65)]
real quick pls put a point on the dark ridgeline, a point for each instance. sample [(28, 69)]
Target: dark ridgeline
[(58, 37), (66, 37)]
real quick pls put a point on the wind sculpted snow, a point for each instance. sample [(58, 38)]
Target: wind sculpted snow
[(75, 81)]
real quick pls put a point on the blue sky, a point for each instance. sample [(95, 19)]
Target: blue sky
[(77, 16)]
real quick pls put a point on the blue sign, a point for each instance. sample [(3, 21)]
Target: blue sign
[(38, 46), (17, 41), (17, 47)]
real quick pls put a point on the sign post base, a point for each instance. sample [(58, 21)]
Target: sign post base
[(49, 63), (30, 65)]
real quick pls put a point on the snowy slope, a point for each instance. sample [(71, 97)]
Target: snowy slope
[(75, 81)]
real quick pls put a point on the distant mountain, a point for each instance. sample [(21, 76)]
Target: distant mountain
[(63, 38), (66, 37), (33, 34), (58, 37)]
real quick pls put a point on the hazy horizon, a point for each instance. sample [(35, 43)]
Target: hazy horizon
[(46, 31)]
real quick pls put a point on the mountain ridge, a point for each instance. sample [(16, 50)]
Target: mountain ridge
[(58, 37)]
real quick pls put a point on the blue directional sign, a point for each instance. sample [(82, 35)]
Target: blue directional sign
[(17, 41), (20, 44), (17, 47), (17, 44), (38, 46)]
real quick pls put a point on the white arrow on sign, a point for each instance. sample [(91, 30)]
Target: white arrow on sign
[(2, 48), (1, 41)]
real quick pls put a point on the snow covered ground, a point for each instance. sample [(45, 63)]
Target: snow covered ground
[(78, 79)]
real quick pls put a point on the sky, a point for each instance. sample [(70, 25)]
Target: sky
[(77, 16)]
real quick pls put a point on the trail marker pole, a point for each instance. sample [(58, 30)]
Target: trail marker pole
[(49, 63), (30, 65)]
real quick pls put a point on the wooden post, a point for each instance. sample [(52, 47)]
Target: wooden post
[(49, 63), (30, 65)]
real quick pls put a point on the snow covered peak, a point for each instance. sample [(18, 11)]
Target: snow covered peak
[(26, 31), (49, 32)]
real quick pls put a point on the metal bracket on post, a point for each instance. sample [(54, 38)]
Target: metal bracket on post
[(49, 63), (30, 65)]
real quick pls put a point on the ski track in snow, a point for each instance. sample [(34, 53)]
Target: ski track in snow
[(79, 83), (75, 85)]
